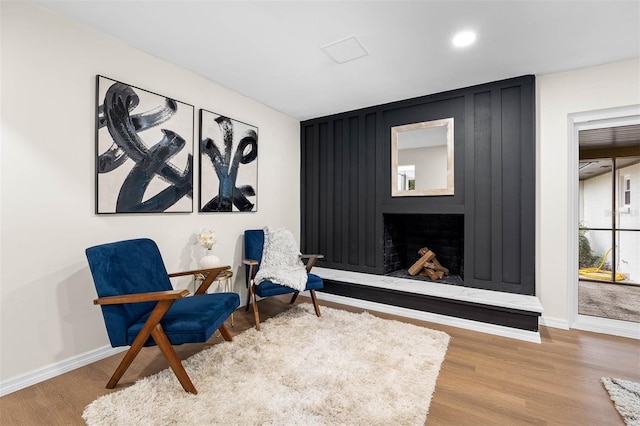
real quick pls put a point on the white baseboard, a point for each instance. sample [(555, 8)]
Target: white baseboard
[(498, 330), (596, 325), (554, 322), (608, 326), (53, 370)]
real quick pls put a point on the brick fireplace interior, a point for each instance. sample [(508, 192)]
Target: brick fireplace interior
[(405, 234)]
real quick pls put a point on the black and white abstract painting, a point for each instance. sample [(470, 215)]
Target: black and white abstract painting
[(228, 164), (144, 151)]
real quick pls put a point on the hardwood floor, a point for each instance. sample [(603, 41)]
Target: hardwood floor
[(484, 380)]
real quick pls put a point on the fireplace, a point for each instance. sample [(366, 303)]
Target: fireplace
[(405, 234)]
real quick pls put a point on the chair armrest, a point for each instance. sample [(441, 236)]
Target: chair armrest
[(198, 271), (252, 264), (209, 275), (309, 256), (312, 259), (154, 296)]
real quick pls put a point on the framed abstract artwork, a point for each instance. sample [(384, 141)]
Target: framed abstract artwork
[(228, 164), (144, 154)]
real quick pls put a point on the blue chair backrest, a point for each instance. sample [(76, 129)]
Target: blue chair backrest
[(126, 267), (253, 245)]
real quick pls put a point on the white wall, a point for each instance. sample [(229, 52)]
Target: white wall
[(606, 86), (431, 165), (597, 212), (48, 74)]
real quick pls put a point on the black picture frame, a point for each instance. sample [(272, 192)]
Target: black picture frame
[(144, 151), (228, 164)]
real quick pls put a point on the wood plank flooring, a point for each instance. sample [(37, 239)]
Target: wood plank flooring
[(484, 380)]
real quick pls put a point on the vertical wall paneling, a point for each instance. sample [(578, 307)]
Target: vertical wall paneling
[(511, 185), (352, 229), (362, 190), (528, 188), (338, 159), (306, 233), (381, 188), (469, 207), (346, 192), (323, 188), (497, 213), (303, 184), (494, 137), (369, 174), (482, 194), (315, 188)]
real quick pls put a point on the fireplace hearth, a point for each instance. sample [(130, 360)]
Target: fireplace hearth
[(406, 234)]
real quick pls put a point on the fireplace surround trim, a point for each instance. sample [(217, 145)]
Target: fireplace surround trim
[(464, 294), (504, 314)]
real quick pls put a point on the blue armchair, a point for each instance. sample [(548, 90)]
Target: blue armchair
[(141, 308), (253, 250)]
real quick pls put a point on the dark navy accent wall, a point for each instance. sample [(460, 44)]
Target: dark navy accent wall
[(346, 184)]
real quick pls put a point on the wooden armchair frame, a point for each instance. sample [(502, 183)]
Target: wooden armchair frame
[(153, 328), (311, 260), (207, 273)]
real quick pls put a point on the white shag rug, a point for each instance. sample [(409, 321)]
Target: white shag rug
[(625, 394), (342, 368)]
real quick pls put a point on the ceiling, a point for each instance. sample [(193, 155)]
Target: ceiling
[(588, 169), (610, 137), (272, 51), (611, 140)]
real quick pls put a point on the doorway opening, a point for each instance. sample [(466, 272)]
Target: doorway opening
[(609, 226), (606, 219)]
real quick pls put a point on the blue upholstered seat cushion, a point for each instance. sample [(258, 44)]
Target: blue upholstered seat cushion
[(191, 319), (267, 288)]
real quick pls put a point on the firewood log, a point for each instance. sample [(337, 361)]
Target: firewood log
[(416, 267), (431, 274), (436, 266), (439, 267)]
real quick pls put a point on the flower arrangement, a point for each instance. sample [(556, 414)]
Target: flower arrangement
[(207, 239)]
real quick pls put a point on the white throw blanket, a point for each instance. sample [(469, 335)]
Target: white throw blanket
[(281, 262)]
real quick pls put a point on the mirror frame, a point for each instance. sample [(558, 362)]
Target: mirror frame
[(395, 131)]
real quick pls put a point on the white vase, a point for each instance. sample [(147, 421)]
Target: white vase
[(209, 260)]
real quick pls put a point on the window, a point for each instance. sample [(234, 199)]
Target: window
[(625, 198)]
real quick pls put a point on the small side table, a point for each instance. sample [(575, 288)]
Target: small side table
[(222, 283)]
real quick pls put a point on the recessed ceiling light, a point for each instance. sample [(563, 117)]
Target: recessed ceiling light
[(464, 39), (345, 50)]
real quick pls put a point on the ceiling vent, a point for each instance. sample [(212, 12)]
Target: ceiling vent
[(345, 50)]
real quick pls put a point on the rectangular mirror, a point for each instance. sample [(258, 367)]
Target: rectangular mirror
[(422, 158)]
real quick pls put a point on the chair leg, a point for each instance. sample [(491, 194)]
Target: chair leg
[(124, 364), (248, 299), (294, 297), (315, 302), (172, 358), (158, 312), (224, 331), (256, 313)]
